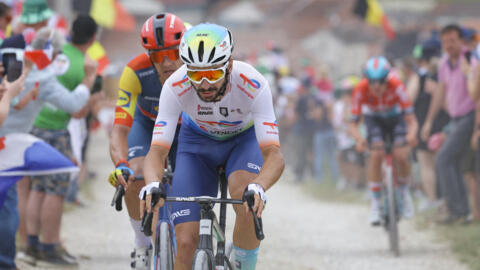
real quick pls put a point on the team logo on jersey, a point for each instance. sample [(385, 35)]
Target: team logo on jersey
[(220, 123), (250, 84), (224, 111), (203, 110), (157, 129), (123, 98), (238, 110), (273, 126), (182, 83)]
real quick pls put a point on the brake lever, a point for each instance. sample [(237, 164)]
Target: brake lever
[(249, 197)]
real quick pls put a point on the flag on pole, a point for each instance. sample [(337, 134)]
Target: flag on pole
[(97, 53), (23, 155), (371, 11)]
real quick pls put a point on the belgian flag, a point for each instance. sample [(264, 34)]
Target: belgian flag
[(372, 13)]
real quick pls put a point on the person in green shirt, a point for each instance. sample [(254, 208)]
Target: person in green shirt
[(45, 201)]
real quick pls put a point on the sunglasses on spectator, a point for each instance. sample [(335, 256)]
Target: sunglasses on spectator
[(211, 75), (157, 56)]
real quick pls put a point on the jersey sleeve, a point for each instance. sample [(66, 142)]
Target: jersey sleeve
[(129, 88), (356, 103), (167, 118), (266, 126)]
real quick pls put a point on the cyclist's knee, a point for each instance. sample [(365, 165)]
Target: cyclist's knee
[(187, 241), (376, 155), (401, 156)]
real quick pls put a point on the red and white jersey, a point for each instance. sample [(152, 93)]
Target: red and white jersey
[(247, 102), (392, 103)]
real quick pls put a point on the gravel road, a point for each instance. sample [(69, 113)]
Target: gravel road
[(301, 232)]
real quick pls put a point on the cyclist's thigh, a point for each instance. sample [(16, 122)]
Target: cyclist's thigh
[(140, 136), (399, 131), (194, 177), (245, 155), (375, 131)]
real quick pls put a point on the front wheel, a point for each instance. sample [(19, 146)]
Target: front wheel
[(392, 215), (164, 248), (202, 261)]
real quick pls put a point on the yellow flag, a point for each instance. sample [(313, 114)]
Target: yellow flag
[(374, 13), (103, 12)]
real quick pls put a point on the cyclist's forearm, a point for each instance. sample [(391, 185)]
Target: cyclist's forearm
[(412, 124), (272, 168), (354, 132), (119, 143), (153, 166)]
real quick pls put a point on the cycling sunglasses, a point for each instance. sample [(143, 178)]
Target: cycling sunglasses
[(211, 75), (379, 81), (158, 56)]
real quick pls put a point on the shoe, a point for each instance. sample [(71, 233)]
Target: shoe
[(67, 256), (408, 208), (375, 217), (30, 255), (141, 258), (55, 259)]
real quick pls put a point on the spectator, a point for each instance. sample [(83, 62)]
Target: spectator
[(303, 131), (35, 15), (45, 202), (324, 144), (19, 122), (351, 162), (455, 75), (420, 91)]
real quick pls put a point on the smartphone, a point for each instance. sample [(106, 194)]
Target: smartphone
[(13, 67), (468, 56)]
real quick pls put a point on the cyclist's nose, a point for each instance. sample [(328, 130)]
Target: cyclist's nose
[(205, 84)]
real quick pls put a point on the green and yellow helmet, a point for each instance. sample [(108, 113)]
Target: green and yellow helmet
[(206, 45)]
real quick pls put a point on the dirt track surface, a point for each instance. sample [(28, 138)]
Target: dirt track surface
[(301, 232)]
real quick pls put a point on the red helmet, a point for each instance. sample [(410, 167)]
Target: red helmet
[(162, 31)]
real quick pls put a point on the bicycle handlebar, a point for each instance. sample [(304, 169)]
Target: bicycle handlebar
[(147, 217), (120, 190), (250, 198)]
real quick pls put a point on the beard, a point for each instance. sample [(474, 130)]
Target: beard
[(209, 98)]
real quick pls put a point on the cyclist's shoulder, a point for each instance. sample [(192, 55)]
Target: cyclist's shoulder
[(140, 62), (243, 72), (362, 86), (178, 82), (394, 82)]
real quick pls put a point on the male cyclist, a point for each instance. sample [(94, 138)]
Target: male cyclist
[(228, 120), (382, 99), (137, 105)]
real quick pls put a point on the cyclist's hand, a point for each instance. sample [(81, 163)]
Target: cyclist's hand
[(260, 198), (361, 145), (425, 132), (145, 197), (118, 176)]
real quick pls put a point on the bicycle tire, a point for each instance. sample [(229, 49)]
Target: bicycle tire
[(164, 257), (202, 261), (392, 215), (228, 255)]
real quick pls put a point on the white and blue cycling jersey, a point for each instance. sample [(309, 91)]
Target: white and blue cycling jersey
[(229, 133)]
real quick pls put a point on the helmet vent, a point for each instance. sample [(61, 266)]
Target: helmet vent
[(212, 54), (177, 36), (159, 32), (218, 59), (190, 55), (185, 59), (145, 41), (200, 51)]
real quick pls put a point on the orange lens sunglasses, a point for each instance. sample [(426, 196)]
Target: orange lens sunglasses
[(211, 75), (158, 56)]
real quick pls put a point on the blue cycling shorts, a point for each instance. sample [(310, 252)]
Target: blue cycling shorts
[(198, 158)]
